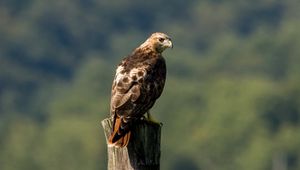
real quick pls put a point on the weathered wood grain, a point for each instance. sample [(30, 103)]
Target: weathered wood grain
[(143, 150)]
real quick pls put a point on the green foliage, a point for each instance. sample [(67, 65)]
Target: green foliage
[(232, 96)]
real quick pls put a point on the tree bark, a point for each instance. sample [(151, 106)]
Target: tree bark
[(143, 150)]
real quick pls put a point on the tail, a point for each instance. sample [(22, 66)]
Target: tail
[(119, 137)]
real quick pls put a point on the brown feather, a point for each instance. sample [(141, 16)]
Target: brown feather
[(117, 138), (138, 82)]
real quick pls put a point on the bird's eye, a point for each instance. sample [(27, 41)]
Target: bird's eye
[(161, 39)]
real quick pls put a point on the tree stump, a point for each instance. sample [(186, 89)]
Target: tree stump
[(142, 151)]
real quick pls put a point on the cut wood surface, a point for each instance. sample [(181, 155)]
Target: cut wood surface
[(143, 150)]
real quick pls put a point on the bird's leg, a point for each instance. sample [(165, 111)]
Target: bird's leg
[(151, 119)]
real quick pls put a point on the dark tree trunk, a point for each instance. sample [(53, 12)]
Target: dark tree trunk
[(143, 150)]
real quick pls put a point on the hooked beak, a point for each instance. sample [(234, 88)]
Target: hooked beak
[(170, 44)]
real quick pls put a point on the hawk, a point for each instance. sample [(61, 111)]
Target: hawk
[(139, 81)]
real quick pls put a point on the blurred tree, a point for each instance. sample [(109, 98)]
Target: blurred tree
[(231, 99)]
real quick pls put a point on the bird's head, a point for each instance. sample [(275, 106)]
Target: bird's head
[(158, 42)]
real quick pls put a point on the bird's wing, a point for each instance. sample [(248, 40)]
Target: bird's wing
[(126, 87)]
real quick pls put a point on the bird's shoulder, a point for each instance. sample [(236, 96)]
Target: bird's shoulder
[(138, 59)]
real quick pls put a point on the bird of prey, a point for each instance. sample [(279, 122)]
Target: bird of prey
[(139, 81)]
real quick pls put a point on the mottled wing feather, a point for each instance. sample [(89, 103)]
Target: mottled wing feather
[(126, 88)]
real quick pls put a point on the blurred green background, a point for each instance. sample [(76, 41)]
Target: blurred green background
[(232, 96)]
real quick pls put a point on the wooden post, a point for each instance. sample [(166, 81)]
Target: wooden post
[(143, 150)]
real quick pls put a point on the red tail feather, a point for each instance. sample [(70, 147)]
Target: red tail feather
[(116, 138)]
